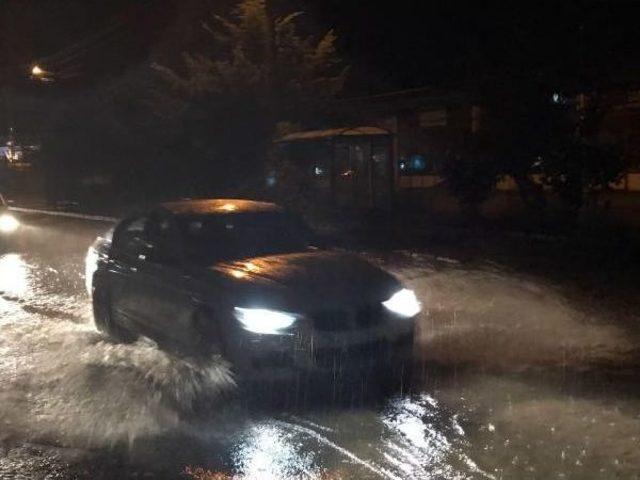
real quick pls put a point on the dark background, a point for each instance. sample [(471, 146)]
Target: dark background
[(98, 116), (391, 45)]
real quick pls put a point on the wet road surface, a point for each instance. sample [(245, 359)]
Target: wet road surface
[(518, 379)]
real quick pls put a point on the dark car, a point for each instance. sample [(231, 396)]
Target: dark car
[(244, 280)]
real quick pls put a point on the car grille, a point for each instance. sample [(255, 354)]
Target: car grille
[(339, 320), (375, 351), (332, 357)]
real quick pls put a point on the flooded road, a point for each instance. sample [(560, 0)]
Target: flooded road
[(519, 379)]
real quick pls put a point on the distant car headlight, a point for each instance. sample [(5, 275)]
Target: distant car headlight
[(403, 303), (8, 223), (262, 320)]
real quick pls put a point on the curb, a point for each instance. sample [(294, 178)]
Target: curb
[(54, 213)]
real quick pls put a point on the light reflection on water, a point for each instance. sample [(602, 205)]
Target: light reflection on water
[(406, 438), (14, 275), (420, 448), (267, 452), (426, 441)]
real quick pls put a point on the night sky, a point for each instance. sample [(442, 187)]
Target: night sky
[(391, 45), (408, 44)]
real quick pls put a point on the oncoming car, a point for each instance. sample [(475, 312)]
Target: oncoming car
[(243, 279), (8, 222)]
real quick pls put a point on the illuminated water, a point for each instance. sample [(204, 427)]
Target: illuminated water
[(518, 381)]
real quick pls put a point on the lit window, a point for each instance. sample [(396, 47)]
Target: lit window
[(415, 164), (418, 163)]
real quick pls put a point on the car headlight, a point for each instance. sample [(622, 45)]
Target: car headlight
[(8, 223), (262, 320), (403, 303)]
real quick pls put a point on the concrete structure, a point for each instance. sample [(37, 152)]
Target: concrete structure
[(346, 166)]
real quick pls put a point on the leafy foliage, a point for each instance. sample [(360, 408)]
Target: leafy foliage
[(578, 168), (254, 71), (575, 163)]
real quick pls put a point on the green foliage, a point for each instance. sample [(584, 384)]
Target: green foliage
[(577, 169), (262, 58), (254, 71)]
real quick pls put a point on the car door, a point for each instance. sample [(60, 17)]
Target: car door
[(166, 290), (130, 248)]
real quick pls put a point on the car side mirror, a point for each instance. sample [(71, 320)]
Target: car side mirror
[(132, 248)]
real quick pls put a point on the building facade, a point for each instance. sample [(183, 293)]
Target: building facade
[(419, 128)]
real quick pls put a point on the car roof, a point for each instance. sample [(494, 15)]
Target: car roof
[(218, 206)]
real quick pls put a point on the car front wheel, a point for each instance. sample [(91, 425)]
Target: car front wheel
[(103, 318)]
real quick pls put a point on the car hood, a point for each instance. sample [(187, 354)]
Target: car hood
[(310, 280)]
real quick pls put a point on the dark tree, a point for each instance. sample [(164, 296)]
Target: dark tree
[(256, 71), (539, 138), (470, 174), (576, 163)]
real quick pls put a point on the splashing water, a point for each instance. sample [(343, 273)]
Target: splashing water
[(81, 390)]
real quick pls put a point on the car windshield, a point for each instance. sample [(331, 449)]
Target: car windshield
[(211, 238)]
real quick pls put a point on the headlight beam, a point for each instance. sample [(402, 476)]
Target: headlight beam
[(403, 303), (265, 321)]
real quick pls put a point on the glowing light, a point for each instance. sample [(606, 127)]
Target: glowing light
[(242, 270), (271, 179), (228, 207), (418, 163), (268, 452), (251, 267), (13, 275), (8, 223), (403, 303), (238, 273), (261, 320), (36, 70)]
